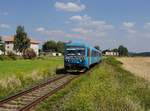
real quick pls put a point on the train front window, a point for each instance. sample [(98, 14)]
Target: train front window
[(75, 51)]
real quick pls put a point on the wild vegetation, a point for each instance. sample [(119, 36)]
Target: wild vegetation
[(16, 75), (107, 87)]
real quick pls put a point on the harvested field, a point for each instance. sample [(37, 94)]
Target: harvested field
[(140, 66)]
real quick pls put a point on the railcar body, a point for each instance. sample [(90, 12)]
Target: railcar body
[(80, 55)]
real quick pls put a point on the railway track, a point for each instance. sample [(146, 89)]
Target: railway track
[(27, 99)]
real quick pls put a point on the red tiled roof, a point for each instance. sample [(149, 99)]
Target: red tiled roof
[(11, 39)]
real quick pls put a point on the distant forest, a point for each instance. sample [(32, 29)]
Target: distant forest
[(145, 54)]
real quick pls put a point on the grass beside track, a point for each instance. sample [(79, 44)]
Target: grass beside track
[(107, 87), (18, 74), (18, 67)]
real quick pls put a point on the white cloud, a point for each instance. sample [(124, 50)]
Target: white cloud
[(80, 19), (6, 26), (147, 25), (3, 13), (129, 27), (70, 6), (56, 33), (76, 18), (128, 24), (81, 30), (86, 26), (87, 22), (49, 32), (40, 29)]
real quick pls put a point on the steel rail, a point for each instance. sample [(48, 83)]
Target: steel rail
[(35, 89), (34, 103)]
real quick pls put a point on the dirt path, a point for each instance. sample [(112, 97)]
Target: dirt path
[(140, 66)]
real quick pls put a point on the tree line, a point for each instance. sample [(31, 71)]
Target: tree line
[(22, 44), (53, 46)]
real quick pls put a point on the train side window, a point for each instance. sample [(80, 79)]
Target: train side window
[(92, 53), (88, 52)]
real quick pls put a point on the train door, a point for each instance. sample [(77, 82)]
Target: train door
[(89, 57)]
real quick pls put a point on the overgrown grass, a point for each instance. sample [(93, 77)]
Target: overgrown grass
[(18, 67), (107, 88), (16, 75)]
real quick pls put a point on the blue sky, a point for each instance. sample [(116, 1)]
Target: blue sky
[(107, 23)]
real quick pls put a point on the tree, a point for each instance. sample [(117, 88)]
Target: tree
[(0, 39), (115, 50), (2, 46), (21, 41), (97, 47), (123, 51), (49, 46), (60, 47)]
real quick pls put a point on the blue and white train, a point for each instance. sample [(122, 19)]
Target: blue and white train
[(78, 56)]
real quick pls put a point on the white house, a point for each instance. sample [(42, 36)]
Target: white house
[(9, 45), (111, 53), (56, 54)]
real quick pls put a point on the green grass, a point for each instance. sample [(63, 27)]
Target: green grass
[(16, 75), (10, 67), (106, 88)]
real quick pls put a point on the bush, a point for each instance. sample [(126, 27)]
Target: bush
[(1, 57), (29, 53), (11, 55)]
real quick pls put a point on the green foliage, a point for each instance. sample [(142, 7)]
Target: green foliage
[(4, 57), (51, 46), (113, 61), (21, 41), (60, 47), (11, 55), (29, 53), (115, 50), (2, 46), (123, 51), (97, 47)]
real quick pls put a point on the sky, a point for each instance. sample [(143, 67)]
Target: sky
[(107, 23)]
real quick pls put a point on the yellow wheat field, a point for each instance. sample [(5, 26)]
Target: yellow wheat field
[(140, 66)]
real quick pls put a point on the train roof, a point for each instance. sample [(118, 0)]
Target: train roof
[(76, 44), (82, 44)]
